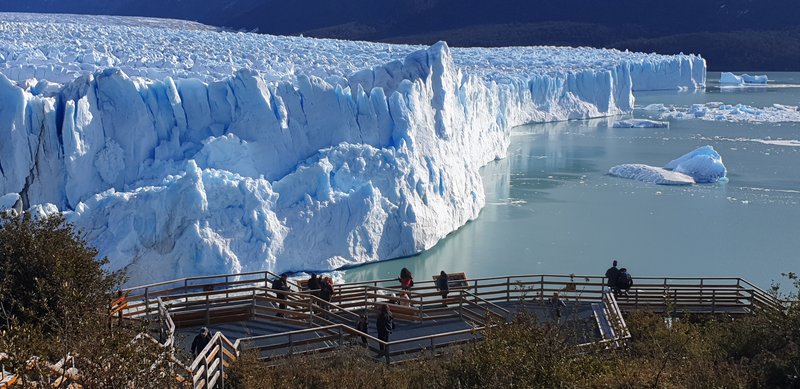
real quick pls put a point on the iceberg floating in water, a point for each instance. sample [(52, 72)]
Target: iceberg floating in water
[(702, 165), (183, 151), (652, 174), (732, 79), (640, 123)]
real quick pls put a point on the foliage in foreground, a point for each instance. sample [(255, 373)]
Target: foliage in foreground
[(54, 300), (757, 351)]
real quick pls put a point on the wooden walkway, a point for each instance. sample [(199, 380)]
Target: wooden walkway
[(242, 311)]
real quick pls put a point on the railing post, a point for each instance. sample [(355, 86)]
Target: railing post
[(508, 289), (266, 280), (433, 349), (340, 337), (221, 363), (386, 353), (185, 285), (461, 304), (310, 313), (253, 306), (208, 311), (146, 302), (701, 290), (713, 300), (205, 367), (226, 287), (541, 288), (291, 345)]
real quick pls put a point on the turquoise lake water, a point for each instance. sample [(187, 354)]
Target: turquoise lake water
[(551, 207)]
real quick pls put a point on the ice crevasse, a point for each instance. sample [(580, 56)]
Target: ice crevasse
[(174, 177)]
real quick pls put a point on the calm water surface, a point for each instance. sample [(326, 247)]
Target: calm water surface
[(551, 208)]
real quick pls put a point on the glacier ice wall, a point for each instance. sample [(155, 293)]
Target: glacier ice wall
[(196, 174)]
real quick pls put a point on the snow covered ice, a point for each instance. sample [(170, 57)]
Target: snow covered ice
[(702, 165), (742, 113), (182, 150)]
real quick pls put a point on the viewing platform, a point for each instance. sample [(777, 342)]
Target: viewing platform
[(244, 314)]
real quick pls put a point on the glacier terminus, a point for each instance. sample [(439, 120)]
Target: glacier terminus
[(182, 150)]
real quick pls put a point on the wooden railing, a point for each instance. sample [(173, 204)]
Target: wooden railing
[(205, 300)]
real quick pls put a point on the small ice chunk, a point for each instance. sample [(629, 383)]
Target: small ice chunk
[(655, 107), (647, 173), (640, 123)]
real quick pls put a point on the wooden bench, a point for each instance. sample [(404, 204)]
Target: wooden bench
[(455, 281)]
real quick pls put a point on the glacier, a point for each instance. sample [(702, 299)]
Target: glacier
[(182, 151)]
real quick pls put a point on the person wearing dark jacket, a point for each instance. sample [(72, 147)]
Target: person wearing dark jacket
[(385, 325), (281, 285), (201, 341), (313, 285), (363, 326), (624, 281), (611, 277), (326, 289), (443, 283)]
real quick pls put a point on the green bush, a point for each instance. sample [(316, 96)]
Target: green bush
[(54, 300)]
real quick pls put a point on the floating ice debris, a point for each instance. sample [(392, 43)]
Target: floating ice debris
[(640, 123)]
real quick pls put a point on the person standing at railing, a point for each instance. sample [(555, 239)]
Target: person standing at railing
[(385, 324), (201, 341), (363, 326), (556, 308), (611, 277), (281, 285), (443, 283), (624, 281), (406, 282), (314, 285), (326, 289)]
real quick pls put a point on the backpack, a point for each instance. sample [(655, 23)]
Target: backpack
[(625, 281)]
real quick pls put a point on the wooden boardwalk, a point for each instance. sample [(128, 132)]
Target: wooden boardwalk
[(242, 312)]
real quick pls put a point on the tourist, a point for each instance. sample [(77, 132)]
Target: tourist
[(201, 341), (326, 289), (556, 307), (385, 324), (313, 285), (624, 281), (611, 277), (281, 285), (406, 282), (443, 283), (363, 326)]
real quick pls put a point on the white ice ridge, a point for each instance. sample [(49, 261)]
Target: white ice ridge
[(702, 165), (640, 123), (236, 152), (716, 111)]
